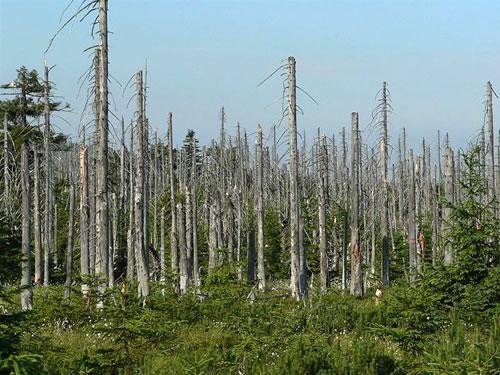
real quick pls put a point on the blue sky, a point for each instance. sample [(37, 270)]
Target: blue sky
[(435, 55)]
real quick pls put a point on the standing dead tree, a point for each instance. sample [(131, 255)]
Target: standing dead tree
[(261, 276), (26, 288), (356, 272), (102, 204)]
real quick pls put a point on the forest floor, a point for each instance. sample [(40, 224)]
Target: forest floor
[(237, 330)]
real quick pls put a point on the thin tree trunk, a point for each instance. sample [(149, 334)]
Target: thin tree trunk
[(173, 234), (69, 250), (448, 189), (162, 245), (102, 214), (183, 267), (385, 191), (37, 222), (131, 230), (323, 181), (261, 275), (356, 272), (26, 287), (295, 285), (84, 216), (412, 229), (140, 251), (48, 180), (491, 143)]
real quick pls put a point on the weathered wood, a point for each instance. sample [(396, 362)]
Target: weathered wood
[(48, 250), (449, 196), (26, 287), (102, 204), (36, 218), (298, 288), (412, 230), (356, 272), (384, 228), (69, 250), (323, 186), (261, 275), (173, 228), (140, 250), (491, 142)]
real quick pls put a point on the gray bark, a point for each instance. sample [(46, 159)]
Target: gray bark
[(102, 214), (140, 251), (298, 290), (26, 287), (37, 222), (69, 250), (356, 273), (261, 276)]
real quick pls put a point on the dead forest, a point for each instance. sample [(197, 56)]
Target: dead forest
[(310, 224)]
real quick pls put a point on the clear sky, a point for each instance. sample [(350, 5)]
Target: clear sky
[(435, 55)]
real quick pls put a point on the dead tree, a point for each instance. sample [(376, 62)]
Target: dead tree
[(298, 284), (37, 222), (448, 190), (412, 229), (69, 250), (48, 180), (385, 191), (261, 276), (84, 214), (173, 232), (140, 210), (26, 289), (102, 209), (194, 218), (323, 185), (356, 272), (491, 142), (131, 222)]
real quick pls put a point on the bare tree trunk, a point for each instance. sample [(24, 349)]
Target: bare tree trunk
[(162, 246), (322, 183), (54, 238), (356, 272), (345, 193), (6, 174), (131, 223), (26, 287), (123, 186), (37, 222), (261, 276), (448, 189), (183, 268), (435, 219), (113, 248), (385, 208), (140, 251), (84, 215), (212, 237), (92, 212), (69, 250), (412, 230), (173, 234), (251, 255), (48, 180), (194, 208), (295, 285), (102, 214), (491, 143)]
